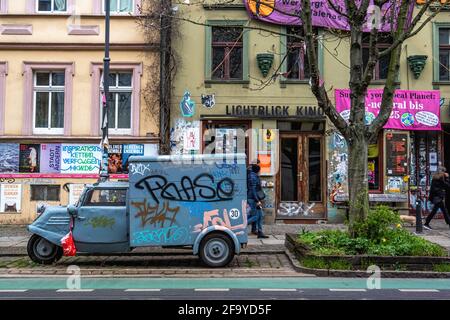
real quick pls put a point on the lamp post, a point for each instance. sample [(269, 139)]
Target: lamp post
[(104, 176)]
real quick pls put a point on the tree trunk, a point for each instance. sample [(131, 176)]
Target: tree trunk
[(358, 181)]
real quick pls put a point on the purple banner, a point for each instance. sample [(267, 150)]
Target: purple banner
[(412, 110), (50, 158), (287, 12)]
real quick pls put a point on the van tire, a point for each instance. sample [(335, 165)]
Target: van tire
[(43, 251), (216, 250)]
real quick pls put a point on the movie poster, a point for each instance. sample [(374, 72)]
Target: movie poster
[(115, 164), (29, 155), (9, 160), (131, 150), (50, 158)]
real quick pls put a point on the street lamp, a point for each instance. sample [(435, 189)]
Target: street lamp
[(104, 175)]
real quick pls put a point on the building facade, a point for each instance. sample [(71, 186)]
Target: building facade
[(51, 102), (237, 74)]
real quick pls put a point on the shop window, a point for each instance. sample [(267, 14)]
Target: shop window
[(45, 192), (374, 165), (49, 90), (382, 67), (120, 102)]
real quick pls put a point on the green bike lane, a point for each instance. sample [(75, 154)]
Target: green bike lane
[(47, 283)]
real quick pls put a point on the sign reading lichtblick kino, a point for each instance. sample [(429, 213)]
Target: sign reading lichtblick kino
[(257, 111)]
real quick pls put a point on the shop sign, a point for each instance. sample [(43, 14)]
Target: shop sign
[(412, 110), (10, 198), (255, 111)]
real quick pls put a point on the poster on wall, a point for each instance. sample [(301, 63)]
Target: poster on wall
[(9, 159), (396, 154), (80, 158), (115, 164), (50, 158), (75, 192), (10, 198), (131, 150), (29, 158)]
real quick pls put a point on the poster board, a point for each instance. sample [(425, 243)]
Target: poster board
[(396, 150)]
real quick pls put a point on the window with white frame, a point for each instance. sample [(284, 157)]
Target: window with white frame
[(51, 5), (48, 113), (120, 6), (120, 100)]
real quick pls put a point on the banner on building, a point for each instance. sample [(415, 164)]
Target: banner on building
[(9, 159), (50, 158), (412, 110), (80, 158), (10, 198), (287, 12), (29, 158)]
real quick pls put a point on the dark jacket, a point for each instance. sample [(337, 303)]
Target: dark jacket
[(253, 185), (438, 187)]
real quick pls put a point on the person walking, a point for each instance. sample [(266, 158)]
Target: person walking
[(439, 184), (255, 195)]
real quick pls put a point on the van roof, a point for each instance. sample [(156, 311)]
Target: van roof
[(229, 157), (110, 184)]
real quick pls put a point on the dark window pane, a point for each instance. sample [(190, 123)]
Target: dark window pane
[(57, 116), (236, 63), (293, 32), (444, 36), (218, 65), (383, 65), (41, 115), (125, 79), (112, 110), (124, 111), (444, 64), (45, 5), (52, 193), (42, 78), (293, 60), (224, 34), (60, 5), (58, 79), (45, 192), (289, 169), (314, 179)]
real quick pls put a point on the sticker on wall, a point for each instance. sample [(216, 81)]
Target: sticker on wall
[(192, 139), (208, 100), (9, 160), (29, 158), (187, 105), (395, 184), (268, 135), (442, 102)]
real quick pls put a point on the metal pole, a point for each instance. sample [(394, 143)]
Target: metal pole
[(419, 226), (104, 176)]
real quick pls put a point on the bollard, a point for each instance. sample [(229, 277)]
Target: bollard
[(419, 226)]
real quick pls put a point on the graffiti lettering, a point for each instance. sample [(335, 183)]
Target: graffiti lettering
[(139, 168), (155, 214), (101, 222), (7, 180), (162, 236), (295, 209), (202, 189)]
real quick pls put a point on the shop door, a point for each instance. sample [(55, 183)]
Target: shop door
[(300, 183)]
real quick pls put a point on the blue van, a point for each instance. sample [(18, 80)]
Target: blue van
[(198, 201)]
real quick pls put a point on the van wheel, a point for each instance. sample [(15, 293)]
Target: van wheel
[(216, 250), (43, 251)]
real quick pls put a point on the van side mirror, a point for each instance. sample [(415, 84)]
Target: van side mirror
[(72, 210)]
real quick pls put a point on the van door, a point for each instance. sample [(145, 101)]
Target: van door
[(101, 225)]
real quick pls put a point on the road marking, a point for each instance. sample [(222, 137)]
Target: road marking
[(278, 290), (418, 290), (12, 291), (74, 290), (348, 290), (143, 290), (213, 289)]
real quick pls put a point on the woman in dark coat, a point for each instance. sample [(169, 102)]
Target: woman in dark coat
[(439, 184), (254, 190)]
